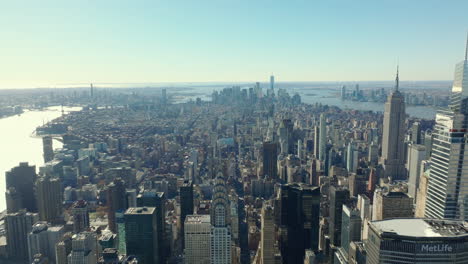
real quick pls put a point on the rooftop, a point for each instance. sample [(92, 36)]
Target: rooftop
[(140, 210), (416, 227), (198, 219)]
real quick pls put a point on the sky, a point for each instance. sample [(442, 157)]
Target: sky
[(52, 43)]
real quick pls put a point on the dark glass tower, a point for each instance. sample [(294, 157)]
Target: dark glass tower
[(270, 157), (141, 234)]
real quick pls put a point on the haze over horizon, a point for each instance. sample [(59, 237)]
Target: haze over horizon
[(54, 42)]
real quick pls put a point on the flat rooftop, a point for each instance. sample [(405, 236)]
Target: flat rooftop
[(416, 227), (140, 210), (197, 219)]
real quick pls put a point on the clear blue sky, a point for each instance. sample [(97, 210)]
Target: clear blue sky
[(57, 42)]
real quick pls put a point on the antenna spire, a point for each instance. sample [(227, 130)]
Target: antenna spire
[(397, 79)]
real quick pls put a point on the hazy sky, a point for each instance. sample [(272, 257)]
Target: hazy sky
[(58, 42)]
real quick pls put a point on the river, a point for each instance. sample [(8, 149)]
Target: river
[(17, 144)]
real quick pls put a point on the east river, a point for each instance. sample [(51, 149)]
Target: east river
[(18, 145)]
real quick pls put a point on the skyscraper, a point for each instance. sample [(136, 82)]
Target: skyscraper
[(47, 147), (267, 246), (416, 154), (49, 199), (272, 82), (393, 153), (197, 239), (42, 240), (299, 210), (141, 234), (84, 249), (323, 138), (17, 226), (22, 178), (338, 197), (270, 157), (220, 218), (448, 179), (186, 203), (80, 216), (116, 200)]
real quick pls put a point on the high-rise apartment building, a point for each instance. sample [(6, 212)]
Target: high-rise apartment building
[(197, 239), (42, 240), (18, 225), (22, 178), (116, 201), (49, 199), (393, 153), (47, 147), (84, 249), (448, 179)]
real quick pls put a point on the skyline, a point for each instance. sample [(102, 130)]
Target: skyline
[(53, 43)]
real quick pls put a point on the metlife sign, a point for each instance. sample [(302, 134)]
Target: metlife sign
[(436, 248)]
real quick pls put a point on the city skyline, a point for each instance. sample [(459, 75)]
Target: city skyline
[(55, 42)]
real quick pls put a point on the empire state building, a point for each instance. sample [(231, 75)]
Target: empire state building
[(393, 155)]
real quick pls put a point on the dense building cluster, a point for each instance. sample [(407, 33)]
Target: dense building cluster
[(248, 177)]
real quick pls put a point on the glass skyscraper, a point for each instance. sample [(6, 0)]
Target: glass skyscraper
[(447, 195)]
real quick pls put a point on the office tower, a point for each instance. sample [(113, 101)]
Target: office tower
[(131, 195), (391, 205), (49, 199), (416, 154), (314, 177), (152, 198), (373, 154), (316, 141), (22, 178), (323, 138), (393, 153), (421, 195), (63, 248), (197, 239), (14, 200), (448, 179), (417, 241), (350, 228), (372, 182), (80, 216), (116, 201), (352, 156), (186, 202), (299, 210), (350, 232), (220, 218), (272, 82), (267, 242), (357, 184), (17, 227), (357, 253), (84, 249), (428, 144), (338, 197), (48, 149), (141, 234), (270, 158), (416, 133), (343, 92), (42, 240)]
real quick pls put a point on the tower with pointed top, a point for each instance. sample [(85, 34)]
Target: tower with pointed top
[(447, 192), (393, 155)]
